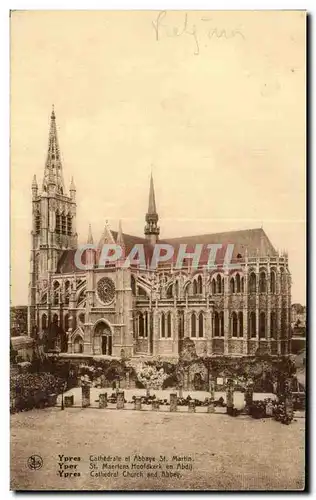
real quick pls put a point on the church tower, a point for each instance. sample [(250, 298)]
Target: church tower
[(53, 220), (152, 229)]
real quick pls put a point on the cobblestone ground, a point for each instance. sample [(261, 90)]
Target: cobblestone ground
[(218, 451)]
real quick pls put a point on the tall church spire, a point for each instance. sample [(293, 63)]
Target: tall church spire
[(53, 174), (151, 228)]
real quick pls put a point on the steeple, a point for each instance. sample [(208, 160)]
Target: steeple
[(151, 228), (53, 174), (120, 241), (34, 187), (90, 237), (107, 236)]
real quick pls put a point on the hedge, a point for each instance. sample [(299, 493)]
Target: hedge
[(34, 390)]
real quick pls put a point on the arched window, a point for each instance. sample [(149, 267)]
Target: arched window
[(234, 324), (242, 285), (67, 292), (170, 291), (141, 325), (221, 320), (66, 322), (63, 223), (216, 324), (55, 319), (232, 285), (162, 325), (195, 287), (78, 345), (219, 284), (69, 224), (272, 282), (199, 285), (193, 325), (133, 285), (262, 282), (253, 327), (176, 289), (213, 286), (181, 324), (169, 324), (273, 325), (240, 324), (44, 322), (201, 324), (262, 325), (252, 283), (37, 222), (58, 222), (237, 283)]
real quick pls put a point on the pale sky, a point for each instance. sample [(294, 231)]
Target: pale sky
[(214, 101)]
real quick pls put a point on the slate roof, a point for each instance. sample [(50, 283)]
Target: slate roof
[(254, 240)]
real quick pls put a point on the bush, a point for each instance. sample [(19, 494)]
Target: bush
[(30, 390)]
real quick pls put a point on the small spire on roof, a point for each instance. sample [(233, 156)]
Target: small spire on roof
[(34, 182), (90, 237)]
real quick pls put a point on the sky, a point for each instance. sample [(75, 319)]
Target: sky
[(212, 102)]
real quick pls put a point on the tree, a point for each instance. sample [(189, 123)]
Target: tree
[(150, 376)]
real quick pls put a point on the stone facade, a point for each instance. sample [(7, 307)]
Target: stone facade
[(133, 311)]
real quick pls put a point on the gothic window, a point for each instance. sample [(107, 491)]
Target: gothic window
[(216, 325), (221, 319), (252, 283), (44, 299), (133, 285), (262, 282), (66, 323), (253, 328), (238, 288), (170, 291), (147, 323), (195, 287), (193, 325), (55, 319), (241, 324), (232, 285), (78, 345), (169, 332), (69, 224), (67, 292), (201, 324), (141, 325), (162, 325), (199, 285), (181, 324), (242, 285), (58, 222), (177, 288), (213, 286), (273, 325), (262, 325), (272, 282), (63, 223), (44, 322), (219, 284), (56, 298), (37, 222), (234, 324)]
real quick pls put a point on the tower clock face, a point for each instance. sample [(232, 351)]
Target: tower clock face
[(106, 290)]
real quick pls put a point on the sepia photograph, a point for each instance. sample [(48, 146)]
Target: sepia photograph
[(158, 316)]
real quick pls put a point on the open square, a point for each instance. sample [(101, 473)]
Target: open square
[(227, 453)]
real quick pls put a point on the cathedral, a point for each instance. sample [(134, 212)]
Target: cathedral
[(134, 310)]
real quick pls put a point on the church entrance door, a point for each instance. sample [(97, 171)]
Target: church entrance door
[(106, 345)]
